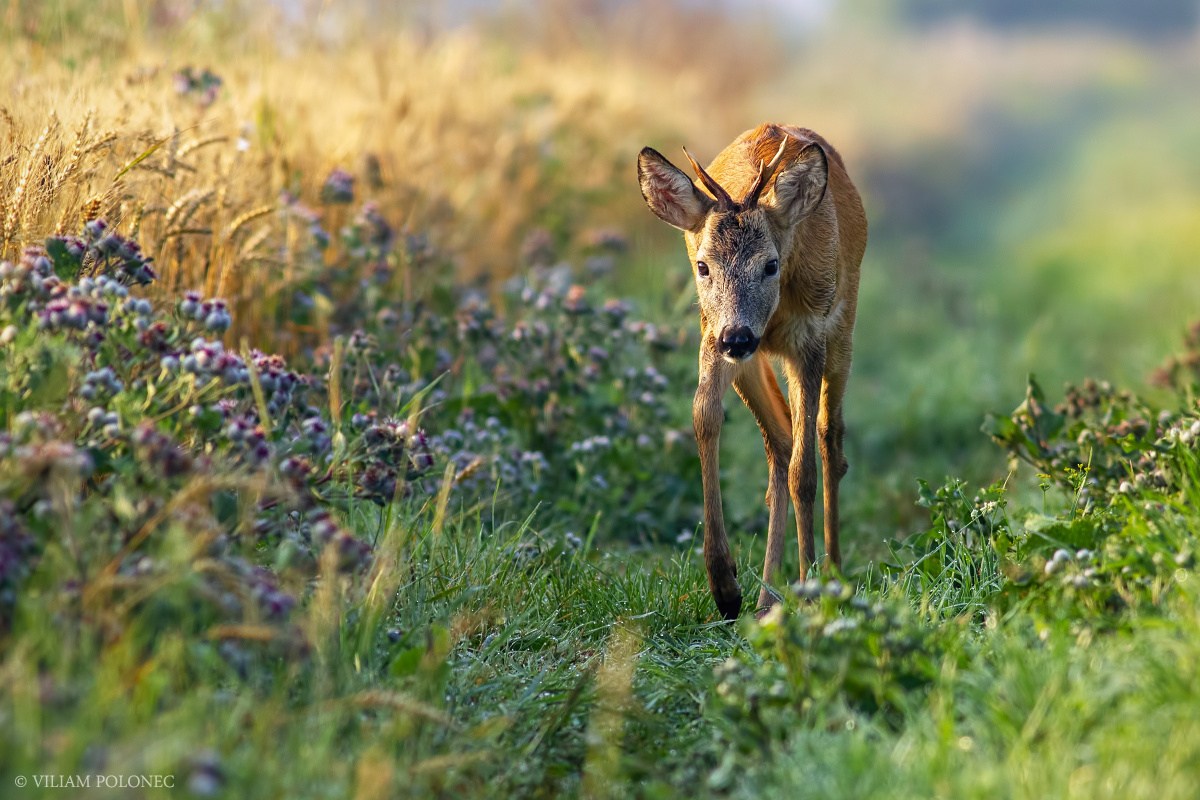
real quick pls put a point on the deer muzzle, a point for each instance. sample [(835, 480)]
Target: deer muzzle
[(737, 343)]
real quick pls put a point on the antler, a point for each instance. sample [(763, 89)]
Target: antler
[(724, 201), (765, 171)]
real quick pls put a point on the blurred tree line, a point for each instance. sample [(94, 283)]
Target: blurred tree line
[(1146, 17)]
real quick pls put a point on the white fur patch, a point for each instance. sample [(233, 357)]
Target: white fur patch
[(835, 315)]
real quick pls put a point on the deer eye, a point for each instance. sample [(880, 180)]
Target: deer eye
[(702, 269), (772, 267)]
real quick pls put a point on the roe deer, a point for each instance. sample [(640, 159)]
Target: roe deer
[(777, 274)]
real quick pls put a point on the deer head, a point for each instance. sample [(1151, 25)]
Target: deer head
[(736, 246)]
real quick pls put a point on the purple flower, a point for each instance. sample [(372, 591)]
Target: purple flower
[(338, 188)]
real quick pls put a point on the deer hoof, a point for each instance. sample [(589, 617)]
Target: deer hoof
[(729, 604)]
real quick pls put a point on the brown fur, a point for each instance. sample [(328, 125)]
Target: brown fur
[(809, 326)]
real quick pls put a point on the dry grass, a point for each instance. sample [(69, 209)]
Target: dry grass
[(455, 137)]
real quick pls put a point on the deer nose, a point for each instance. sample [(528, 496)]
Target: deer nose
[(737, 342)]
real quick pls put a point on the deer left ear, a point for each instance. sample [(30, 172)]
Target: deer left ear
[(801, 184), (670, 193)]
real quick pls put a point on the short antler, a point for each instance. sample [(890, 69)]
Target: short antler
[(765, 171), (724, 201)]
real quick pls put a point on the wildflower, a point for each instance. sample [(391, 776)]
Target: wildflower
[(378, 234), (117, 257), (205, 776), (353, 553), (218, 320), (378, 483), (616, 310), (189, 306), (807, 589), (525, 552), (100, 382), (537, 249), (161, 451), (591, 444), (835, 589), (317, 433), (201, 85), (576, 300), (56, 457), (839, 625), (338, 187)]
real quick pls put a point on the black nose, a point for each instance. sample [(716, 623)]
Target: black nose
[(737, 342)]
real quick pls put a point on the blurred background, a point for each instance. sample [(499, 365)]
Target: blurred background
[(1030, 170)]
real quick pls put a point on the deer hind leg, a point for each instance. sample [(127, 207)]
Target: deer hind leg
[(759, 390), (831, 431), (804, 372), (707, 418)]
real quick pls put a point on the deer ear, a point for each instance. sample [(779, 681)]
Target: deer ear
[(670, 193), (801, 184)]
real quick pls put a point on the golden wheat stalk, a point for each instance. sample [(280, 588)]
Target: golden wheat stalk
[(169, 172), (17, 213), (135, 224), (469, 470), (103, 140), (247, 217), (105, 204), (91, 209), (77, 151), (61, 190), (139, 158), (64, 219), (172, 155), (223, 279), (443, 500), (182, 209), (196, 144), (251, 245), (171, 234)]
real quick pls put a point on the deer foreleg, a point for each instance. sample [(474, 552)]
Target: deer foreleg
[(758, 388), (804, 373), (707, 417)]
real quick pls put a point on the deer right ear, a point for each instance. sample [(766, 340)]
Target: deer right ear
[(670, 193), (800, 186)]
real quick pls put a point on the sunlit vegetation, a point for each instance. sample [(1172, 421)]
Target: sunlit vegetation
[(345, 392)]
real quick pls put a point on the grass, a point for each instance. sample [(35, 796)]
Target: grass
[(446, 544)]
